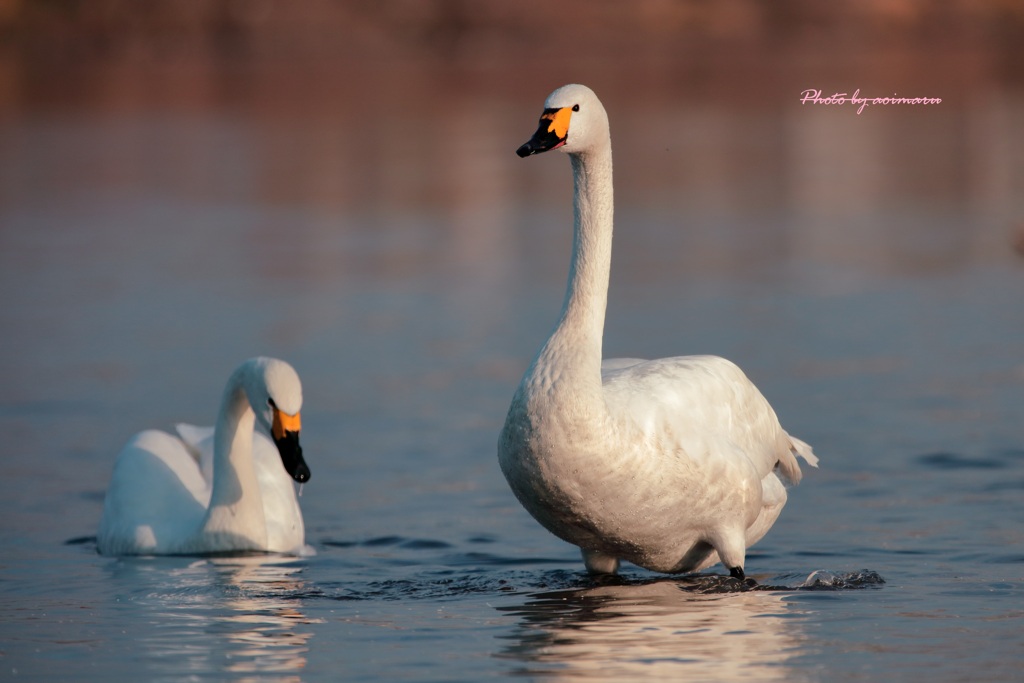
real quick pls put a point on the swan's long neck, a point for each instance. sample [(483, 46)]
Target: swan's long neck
[(577, 338), (235, 515)]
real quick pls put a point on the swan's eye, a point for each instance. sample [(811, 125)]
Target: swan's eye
[(575, 107), (270, 402)]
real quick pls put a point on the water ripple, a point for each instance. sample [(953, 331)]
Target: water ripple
[(954, 461), (450, 574)]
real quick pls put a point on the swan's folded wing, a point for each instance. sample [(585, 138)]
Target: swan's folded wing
[(694, 402), (611, 365), (156, 493)]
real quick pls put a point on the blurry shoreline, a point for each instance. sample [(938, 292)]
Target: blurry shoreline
[(111, 54), (376, 109)]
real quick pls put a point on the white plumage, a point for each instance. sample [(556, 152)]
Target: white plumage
[(215, 490), (672, 464)]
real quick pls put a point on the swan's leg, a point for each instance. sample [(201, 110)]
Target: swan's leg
[(732, 551), (599, 563)]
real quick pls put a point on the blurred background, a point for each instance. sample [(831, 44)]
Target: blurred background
[(402, 103), (186, 183), (210, 179)]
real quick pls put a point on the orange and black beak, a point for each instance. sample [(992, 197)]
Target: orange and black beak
[(552, 133), (285, 431)]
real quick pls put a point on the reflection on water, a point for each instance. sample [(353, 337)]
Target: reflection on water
[(658, 631), (230, 614)]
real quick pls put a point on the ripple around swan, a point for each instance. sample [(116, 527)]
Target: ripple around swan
[(457, 586), (499, 577), (426, 569)]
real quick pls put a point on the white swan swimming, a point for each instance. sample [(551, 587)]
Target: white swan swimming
[(226, 491), (673, 464)]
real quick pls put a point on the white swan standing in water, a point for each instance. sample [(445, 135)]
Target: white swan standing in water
[(163, 499), (672, 464)]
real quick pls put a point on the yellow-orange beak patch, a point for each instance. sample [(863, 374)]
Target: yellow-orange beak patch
[(559, 121), (284, 422), (551, 134)]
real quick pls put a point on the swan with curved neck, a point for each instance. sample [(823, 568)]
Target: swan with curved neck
[(673, 464), (160, 501)]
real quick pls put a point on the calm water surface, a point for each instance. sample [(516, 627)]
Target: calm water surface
[(144, 254)]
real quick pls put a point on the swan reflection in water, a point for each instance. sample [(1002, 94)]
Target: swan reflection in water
[(660, 630), (240, 614)]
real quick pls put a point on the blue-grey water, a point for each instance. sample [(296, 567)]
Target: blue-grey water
[(861, 269)]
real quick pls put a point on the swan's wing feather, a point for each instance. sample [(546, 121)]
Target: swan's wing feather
[(199, 442), (156, 496), (609, 365), (195, 438)]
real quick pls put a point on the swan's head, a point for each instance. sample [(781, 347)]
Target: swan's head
[(276, 397), (573, 120)]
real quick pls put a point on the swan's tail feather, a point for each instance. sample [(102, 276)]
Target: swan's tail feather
[(787, 468), (804, 450)]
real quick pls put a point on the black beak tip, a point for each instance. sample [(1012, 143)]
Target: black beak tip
[(525, 151), (291, 457)]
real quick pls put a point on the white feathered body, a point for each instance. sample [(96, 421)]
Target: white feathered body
[(160, 491), (680, 456), (209, 490)]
